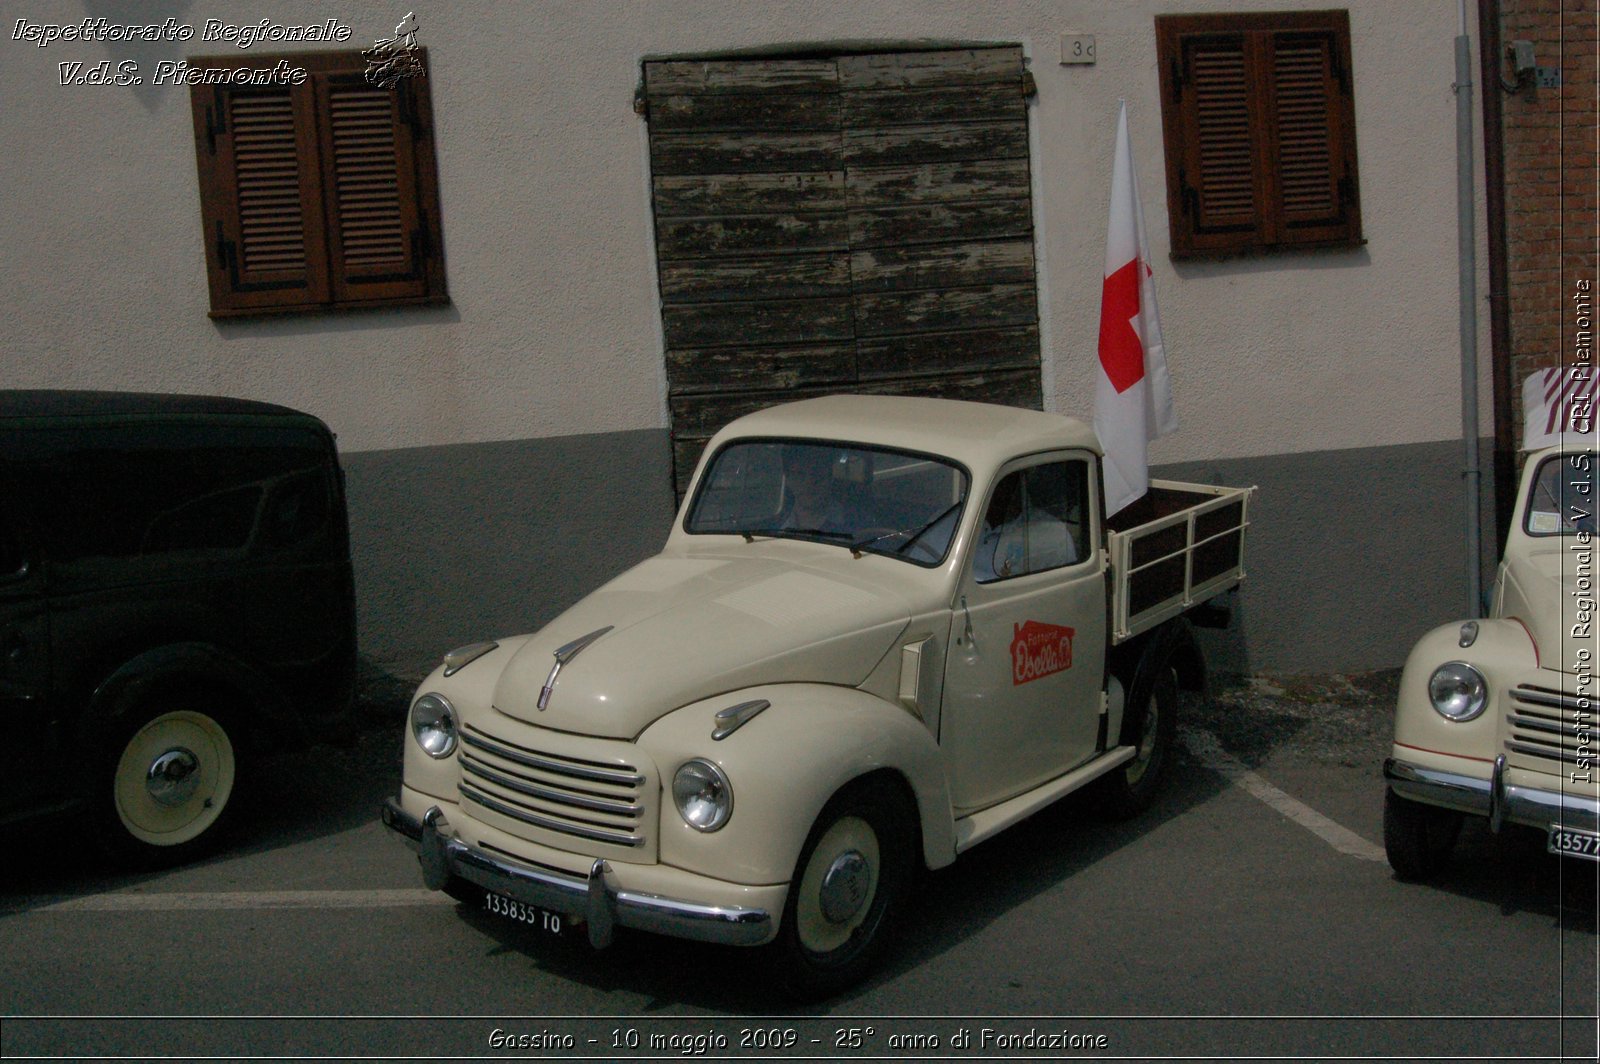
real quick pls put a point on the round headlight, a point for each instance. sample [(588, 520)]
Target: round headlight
[(1458, 691), (433, 724), (703, 795)]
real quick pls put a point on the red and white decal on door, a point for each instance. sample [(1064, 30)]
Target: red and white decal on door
[(1039, 650)]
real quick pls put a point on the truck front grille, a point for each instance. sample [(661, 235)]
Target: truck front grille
[(1551, 726), (596, 797)]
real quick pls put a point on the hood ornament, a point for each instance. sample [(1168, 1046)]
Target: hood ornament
[(564, 655)]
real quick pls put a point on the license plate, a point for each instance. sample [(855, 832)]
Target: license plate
[(1572, 843), (521, 912)]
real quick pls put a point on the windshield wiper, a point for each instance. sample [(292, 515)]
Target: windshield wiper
[(750, 534), (915, 533)]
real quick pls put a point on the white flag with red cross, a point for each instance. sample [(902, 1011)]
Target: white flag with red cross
[(1133, 394), (1558, 406)]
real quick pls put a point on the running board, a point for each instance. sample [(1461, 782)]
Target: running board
[(971, 830)]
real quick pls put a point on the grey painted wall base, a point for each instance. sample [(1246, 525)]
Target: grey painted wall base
[(1352, 554), (457, 544)]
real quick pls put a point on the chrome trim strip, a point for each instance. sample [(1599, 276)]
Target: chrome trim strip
[(563, 655), (626, 778), (1540, 724), (1514, 803), (1541, 696), (597, 805), (565, 827), (591, 898), (733, 718), (1549, 753)]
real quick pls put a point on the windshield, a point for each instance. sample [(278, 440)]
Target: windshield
[(886, 502), (1562, 500)]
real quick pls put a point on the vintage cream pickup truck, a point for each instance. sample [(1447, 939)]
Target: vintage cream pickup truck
[(1496, 717), (882, 630)]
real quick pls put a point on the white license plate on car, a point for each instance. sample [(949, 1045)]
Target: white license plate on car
[(1569, 842), (521, 912)]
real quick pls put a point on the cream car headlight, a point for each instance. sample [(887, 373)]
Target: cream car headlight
[(703, 795), (433, 725), (1458, 691)]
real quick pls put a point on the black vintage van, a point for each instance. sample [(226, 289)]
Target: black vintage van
[(175, 597)]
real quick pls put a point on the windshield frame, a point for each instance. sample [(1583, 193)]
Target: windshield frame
[(1582, 464), (890, 545)]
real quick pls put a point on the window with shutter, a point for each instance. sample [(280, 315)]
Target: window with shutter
[(317, 195), (841, 223), (1258, 117)]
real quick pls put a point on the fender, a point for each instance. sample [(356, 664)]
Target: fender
[(784, 765), (177, 664), (1502, 651)]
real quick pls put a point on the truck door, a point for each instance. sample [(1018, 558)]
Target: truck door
[(34, 777), (1028, 634)]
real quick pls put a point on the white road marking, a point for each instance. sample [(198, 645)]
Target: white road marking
[(1204, 746), (190, 901)]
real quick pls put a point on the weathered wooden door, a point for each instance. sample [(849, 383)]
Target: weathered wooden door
[(850, 223)]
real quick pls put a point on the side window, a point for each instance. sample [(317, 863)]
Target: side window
[(185, 490), (1035, 522), (11, 559)]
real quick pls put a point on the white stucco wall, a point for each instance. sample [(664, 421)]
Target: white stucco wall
[(553, 328)]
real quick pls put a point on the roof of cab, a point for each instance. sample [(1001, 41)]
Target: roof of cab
[(54, 404), (979, 435)]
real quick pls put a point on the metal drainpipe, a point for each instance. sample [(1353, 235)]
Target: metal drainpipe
[(1468, 256), (1494, 194)]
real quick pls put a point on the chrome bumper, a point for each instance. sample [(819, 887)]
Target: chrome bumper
[(1493, 798), (591, 899)]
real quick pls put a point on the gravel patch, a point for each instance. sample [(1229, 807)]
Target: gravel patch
[(1335, 719)]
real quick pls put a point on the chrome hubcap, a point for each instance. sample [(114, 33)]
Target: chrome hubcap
[(174, 777), (845, 886)]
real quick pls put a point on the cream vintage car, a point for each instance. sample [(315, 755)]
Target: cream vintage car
[(1496, 717), (882, 630)]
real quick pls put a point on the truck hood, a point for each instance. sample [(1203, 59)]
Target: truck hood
[(1541, 591), (684, 628)]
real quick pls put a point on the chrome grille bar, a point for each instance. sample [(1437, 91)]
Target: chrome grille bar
[(622, 777), (566, 827), (568, 798)]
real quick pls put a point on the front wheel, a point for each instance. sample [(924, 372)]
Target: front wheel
[(1418, 838), (172, 779), (846, 891)]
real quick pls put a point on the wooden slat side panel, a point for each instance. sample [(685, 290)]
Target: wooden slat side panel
[(916, 70), (756, 322), (744, 234), (1224, 153), (943, 310), (938, 143), (903, 186), (890, 251), (675, 77), (948, 353), (756, 277), (929, 266), (749, 369), (915, 107), (994, 220), (709, 194), (732, 152)]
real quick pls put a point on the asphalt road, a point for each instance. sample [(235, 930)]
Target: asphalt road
[(1249, 913)]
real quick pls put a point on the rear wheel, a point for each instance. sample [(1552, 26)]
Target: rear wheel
[(1418, 838), (846, 891), (1149, 725), (172, 776)]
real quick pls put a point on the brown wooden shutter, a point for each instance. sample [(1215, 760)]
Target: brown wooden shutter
[(1257, 114), (317, 195), (261, 199), (851, 223)]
